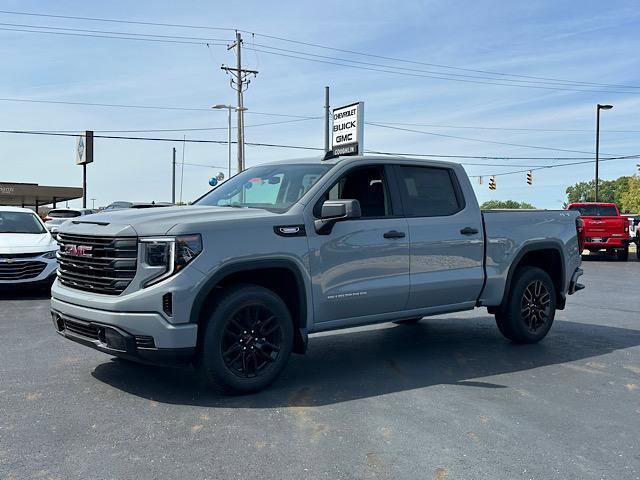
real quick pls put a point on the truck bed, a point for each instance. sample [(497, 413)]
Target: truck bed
[(507, 236)]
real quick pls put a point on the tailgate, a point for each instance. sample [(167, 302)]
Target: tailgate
[(604, 226)]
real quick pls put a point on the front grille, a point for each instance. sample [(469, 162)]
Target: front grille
[(20, 270), (84, 329), (97, 264), (21, 255)]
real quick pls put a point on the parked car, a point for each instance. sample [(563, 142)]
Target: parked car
[(124, 205), (236, 282), (27, 249), (604, 228), (117, 206), (58, 216)]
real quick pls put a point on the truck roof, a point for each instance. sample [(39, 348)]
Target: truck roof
[(606, 204), (353, 158)]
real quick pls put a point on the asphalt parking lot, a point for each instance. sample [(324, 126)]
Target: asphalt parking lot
[(448, 398)]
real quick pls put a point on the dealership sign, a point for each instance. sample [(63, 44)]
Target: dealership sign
[(84, 148), (348, 130)]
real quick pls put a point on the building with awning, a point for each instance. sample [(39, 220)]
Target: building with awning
[(34, 195)]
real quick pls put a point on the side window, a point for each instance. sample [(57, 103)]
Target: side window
[(429, 191), (368, 185)]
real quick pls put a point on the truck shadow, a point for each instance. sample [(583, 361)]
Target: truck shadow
[(351, 365), (25, 293)]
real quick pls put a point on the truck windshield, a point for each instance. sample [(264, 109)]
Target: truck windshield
[(595, 210), (272, 187), (18, 222)]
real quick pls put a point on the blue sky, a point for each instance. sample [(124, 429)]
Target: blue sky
[(588, 41)]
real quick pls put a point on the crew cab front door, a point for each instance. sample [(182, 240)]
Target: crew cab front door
[(361, 267)]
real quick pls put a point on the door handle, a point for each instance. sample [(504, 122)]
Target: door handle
[(468, 231), (394, 234)]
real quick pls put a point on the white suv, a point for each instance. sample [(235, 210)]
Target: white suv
[(27, 249)]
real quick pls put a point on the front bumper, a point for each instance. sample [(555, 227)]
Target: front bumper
[(143, 337), (117, 342)]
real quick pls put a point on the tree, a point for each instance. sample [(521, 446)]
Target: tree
[(630, 200), (492, 204), (610, 191)]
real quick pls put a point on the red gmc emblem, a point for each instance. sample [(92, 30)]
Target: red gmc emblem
[(78, 250)]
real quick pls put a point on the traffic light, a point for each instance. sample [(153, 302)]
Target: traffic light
[(492, 183), (529, 177)]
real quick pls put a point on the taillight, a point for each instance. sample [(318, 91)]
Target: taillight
[(580, 233)]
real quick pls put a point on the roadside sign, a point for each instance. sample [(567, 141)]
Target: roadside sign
[(347, 136), (84, 148)]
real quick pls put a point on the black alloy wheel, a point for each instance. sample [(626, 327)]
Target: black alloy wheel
[(535, 306), (252, 341), (530, 307), (245, 340)]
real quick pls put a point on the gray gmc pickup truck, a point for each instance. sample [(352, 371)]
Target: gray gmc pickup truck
[(236, 282)]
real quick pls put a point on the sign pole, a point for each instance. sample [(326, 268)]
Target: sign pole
[(327, 127), (84, 155), (84, 185)]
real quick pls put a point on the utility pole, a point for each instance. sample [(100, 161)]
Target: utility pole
[(327, 143), (173, 177), (93, 203), (239, 82)]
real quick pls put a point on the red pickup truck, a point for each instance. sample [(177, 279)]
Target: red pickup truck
[(603, 228)]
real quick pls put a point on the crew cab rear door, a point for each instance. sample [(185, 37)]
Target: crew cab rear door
[(446, 237), (361, 268)]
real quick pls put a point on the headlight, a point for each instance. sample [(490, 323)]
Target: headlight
[(50, 255), (169, 255)]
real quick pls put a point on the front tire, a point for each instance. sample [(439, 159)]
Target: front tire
[(247, 340), (530, 308)]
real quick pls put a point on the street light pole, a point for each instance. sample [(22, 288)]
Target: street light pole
[(598, 108), (229, 108)]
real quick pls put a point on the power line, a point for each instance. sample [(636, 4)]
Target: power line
[(382, 57), (317, 45), (508, 129), (627, 157), (208, 41), (159, 130), (538, 147), (484, 77), (391, 70), (300, 147), (111, 20), (158, 139), (70, 34), (144, 107), (110, 32)]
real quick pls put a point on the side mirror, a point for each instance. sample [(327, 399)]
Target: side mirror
[(334, 211)]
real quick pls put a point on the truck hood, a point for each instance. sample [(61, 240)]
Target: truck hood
[(156, 221), (26, 243)]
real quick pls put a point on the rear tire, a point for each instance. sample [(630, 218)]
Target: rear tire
[(247, 340), (530, 308), (623, 254)]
